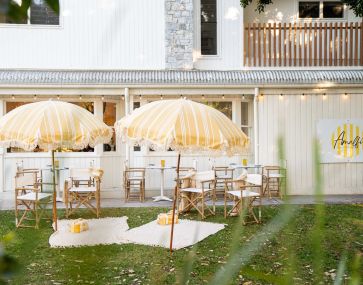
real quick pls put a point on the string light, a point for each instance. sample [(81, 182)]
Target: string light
[(58, 97), (161, 97), (13, 97), (140, 97), (261, 96), (324, 96), (122, 97), (35, 97), (281, 96), (181, 96), (203, 97), (345, 96), (223, 96), (303, 96), (80, 97), (103, 97), (243, 97)]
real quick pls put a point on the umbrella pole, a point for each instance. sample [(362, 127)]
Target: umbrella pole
[(174, 203), (55, 220)]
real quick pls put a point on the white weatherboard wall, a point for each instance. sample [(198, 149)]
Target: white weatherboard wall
[(285, 11), (229, 37), (93, 34), (295, 119)]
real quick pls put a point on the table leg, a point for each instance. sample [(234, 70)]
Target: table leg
[(59, 194), (161, 197)]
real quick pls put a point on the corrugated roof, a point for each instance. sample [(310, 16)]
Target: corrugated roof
[(174, 77)]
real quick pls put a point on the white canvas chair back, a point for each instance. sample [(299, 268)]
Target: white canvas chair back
[(80, 173), (25, 179), (202, 176)]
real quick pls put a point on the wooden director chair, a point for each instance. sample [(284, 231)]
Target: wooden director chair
[(275, 176), (134, 183), (30, 202), (222, 173), (82, 187), (246, 197), (196, 190)]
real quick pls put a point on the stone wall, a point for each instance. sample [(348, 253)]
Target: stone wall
[(178, 34)]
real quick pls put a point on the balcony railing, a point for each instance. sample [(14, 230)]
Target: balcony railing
[(309, 44)]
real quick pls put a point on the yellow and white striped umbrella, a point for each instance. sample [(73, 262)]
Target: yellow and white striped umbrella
[(52, 125), (182, 125)]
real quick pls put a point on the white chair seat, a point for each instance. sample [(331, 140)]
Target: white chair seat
[(255, 179), (32, 196), (194, 190), (224, 177), (83, 189), (245, 193), (275, 175)]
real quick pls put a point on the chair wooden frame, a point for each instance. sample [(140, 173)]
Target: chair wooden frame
[(134, 178), (273, 182), (227, 174), (244, 200), (195, 196), (31, 197), (78, 192)]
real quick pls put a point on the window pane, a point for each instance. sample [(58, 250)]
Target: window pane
[(109, 118), (333, 9), (224, 107), (308, 9), (208, 23), (137, 105), (42, 14)]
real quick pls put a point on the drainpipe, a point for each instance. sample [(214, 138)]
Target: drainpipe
[(255, 125), (127, 112)]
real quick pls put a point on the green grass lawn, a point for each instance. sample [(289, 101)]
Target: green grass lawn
[(289, 255)]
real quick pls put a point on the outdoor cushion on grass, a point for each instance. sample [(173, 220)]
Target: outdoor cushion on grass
[(101, 231), (186, 233)]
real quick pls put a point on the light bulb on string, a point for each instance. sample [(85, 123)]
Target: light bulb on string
[(203, 97), (140, 97), (80, 97), (223, 96), (161, 97), (345, 96), (122, 97), (302, 96), (58, 97), (35, 97), (324, 96), (13, 97), (103, 98), (243, 97), (281, 96)]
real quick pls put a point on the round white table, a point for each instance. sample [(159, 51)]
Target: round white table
[(162, 197)]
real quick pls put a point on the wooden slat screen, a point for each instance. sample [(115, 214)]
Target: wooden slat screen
[(318, 44)]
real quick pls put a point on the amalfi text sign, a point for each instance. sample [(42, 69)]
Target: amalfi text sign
[(341, 140)]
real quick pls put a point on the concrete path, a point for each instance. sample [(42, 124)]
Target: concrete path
[(7, 201)]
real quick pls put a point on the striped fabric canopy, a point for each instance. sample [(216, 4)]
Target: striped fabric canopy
[(52, 125), (182, 125)]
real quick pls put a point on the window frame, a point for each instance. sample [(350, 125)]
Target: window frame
[(321, 18), (36, 26), (198, 31)]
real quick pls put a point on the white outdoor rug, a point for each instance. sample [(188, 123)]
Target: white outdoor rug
[(101, 231), (115, 231), (186, 233)]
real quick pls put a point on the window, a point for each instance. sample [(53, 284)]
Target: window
[(321, 9), (309, 9), (333, 9), (39, 13), (109, 118), (224, 107), (12, 105), (135, 106), (245, 126), (208, 23)]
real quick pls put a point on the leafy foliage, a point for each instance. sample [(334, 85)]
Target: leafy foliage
[(355, 5)]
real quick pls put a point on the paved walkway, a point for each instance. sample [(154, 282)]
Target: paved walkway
[(7, 201)]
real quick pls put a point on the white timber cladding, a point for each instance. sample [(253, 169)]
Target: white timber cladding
[(229, 37), (93, 34), (294, 119)]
